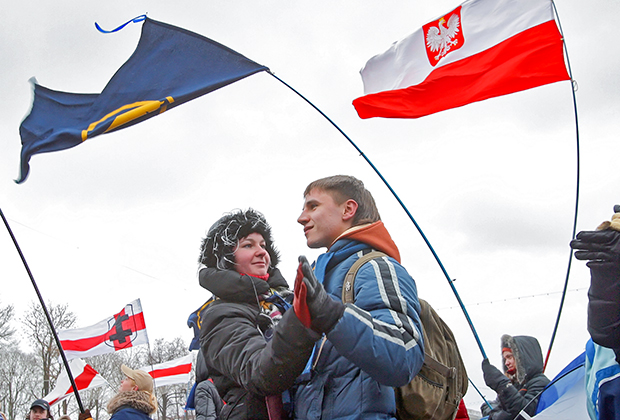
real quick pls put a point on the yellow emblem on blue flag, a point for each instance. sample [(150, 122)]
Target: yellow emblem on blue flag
[(169, 62)]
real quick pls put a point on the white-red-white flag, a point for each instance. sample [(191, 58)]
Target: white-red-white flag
[(123, 330), (84, 376), (175, 371), (481, 49)]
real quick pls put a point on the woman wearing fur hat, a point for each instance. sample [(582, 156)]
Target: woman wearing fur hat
[(135, 399), (254, 347)]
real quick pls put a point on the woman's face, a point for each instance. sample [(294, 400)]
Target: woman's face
[(127, 384), (251, 256)]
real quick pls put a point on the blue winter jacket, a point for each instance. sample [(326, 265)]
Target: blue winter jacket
[(376, 345), (602, 383)]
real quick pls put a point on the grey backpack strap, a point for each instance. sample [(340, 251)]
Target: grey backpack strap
[(349, 278)]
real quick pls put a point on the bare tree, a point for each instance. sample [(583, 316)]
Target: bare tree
[(19, 379), (171, 398), (39, 335), (6, 332)]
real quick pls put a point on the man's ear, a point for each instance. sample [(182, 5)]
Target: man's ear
[(350, 208)]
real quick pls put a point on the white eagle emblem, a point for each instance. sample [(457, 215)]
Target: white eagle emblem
[(440, 38)]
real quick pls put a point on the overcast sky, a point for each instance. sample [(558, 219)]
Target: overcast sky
[(491, 184)]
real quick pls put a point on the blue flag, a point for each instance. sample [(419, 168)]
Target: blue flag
[(170, 66)]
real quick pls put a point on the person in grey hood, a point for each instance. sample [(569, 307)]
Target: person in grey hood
[(519, 386)]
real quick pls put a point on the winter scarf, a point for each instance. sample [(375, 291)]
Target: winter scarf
[(139, 400)]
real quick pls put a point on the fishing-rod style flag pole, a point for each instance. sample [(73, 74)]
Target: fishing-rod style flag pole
[(120, 331), (85, 378), (169, 67), (481, 49), (49, 129), (172, 372), (47, 314)]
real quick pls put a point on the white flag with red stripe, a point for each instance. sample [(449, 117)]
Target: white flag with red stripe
[(123, 330), (84, 376), (481, 49), (175, 371)]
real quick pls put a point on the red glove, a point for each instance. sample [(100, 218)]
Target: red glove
[(299, 303)]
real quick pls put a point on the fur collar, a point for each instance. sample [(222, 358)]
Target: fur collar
[(140, 400)]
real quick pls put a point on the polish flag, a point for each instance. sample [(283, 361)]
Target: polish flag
[(84, 376), (481, 49), (123, 330), (175, 371)]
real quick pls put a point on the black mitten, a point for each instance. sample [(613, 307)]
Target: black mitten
[(324, 311), (597, 247), (493, 377)]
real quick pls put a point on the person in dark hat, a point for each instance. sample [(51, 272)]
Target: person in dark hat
[(253, 343), (39, 410)]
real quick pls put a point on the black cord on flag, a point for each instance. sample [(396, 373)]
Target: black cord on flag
[(47, 315), (570, 256), (450, 281)]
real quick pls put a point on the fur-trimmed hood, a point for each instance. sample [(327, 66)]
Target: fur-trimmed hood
[(527, 354), (140, 400)]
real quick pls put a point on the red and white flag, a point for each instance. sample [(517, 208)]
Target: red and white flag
[(481, 49), (123, 330), (175, 371), (84, 376)]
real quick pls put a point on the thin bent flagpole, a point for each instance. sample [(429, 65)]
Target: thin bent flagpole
[(47, 315), (450, 282), (570, 256)]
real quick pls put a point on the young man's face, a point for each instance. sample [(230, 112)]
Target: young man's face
[(38, 413), (322, 218)]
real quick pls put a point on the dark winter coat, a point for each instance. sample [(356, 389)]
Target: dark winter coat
[(604, 306), (207, 400), (525, 386), (244, 365), (376, 344), (131, 405)]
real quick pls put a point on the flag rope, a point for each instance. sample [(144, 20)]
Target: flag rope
[(47, 315), (570, 256), (450, 281)]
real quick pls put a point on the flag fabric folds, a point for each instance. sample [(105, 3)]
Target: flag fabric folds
[(170, 66), (175, 371), (481, 49), (120, 331), (84, 376)]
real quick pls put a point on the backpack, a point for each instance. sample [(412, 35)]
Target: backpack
[(436, 391)]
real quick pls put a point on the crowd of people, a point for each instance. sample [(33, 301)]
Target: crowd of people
[(269, 352)]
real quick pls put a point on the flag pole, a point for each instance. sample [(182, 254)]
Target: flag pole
[(450, 281), (47, 315), (570, 256)]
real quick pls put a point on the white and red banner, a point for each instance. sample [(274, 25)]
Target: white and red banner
[(481, 49), (123, 330), (84, 376), (175, 371)]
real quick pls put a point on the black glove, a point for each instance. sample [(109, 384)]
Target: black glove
[(493, 377), (85, 415), (324, 311), (599, 247)]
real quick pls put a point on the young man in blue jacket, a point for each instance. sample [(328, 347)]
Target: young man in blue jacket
[(369, 346)]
